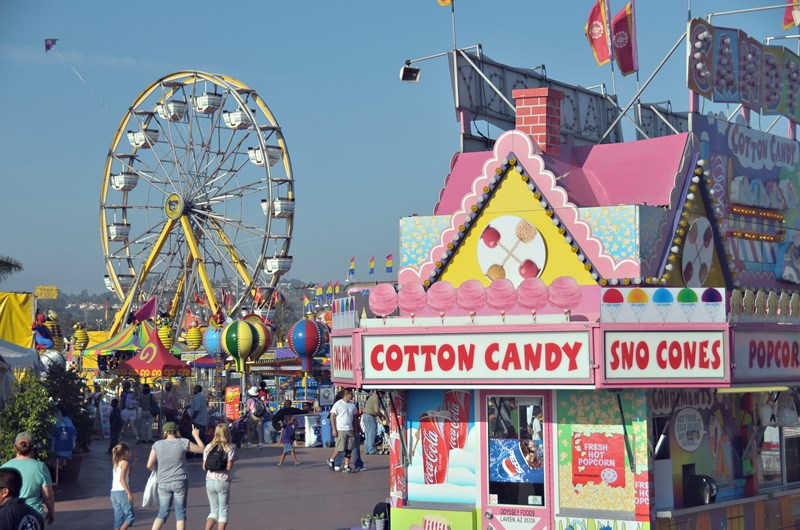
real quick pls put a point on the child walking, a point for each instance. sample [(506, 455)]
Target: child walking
[(121, 494), (287, 439)]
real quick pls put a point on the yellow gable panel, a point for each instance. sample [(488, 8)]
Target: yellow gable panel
[(513, 237)]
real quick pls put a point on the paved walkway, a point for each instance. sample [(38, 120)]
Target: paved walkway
[(263, 496)]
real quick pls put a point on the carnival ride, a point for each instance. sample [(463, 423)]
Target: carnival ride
[(197, 196)]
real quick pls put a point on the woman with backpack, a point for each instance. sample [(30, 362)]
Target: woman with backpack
[(218, 460), (255, 409)]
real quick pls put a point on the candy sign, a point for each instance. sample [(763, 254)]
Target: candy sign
[(518, 356), (659, 355)]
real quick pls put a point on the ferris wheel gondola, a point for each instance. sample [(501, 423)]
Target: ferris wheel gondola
[(197, 197)]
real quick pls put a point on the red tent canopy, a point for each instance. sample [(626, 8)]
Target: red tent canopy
[(154, 360)]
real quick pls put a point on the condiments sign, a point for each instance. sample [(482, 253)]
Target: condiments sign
[(548, 356)]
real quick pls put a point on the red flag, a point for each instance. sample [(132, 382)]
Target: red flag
[(623, 38), (597, 32), (258, 297), (148, 310), (789, 20)]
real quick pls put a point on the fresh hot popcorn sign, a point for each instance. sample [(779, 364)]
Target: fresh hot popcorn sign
[(549, 356), (598, 458)]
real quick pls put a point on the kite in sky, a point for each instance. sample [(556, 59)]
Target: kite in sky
[(48, 44)]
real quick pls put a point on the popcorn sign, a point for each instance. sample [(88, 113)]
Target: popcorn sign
[(598, 458)]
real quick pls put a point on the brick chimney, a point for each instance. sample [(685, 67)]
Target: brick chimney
[(539, 115)]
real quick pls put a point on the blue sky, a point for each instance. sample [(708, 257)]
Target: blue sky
[(366, 149)]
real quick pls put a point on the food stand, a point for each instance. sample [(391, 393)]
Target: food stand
[(594, 336)]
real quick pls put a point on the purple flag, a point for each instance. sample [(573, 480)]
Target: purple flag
[(48, 44)]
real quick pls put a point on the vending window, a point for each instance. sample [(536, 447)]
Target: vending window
[(791, 446), (516, 450)]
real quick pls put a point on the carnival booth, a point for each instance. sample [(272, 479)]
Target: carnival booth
[(594, 336)]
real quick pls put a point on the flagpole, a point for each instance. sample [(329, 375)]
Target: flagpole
[(453, 21), (610, 44)]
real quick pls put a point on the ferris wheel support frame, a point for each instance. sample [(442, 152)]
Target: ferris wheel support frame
[(122, 314), (200, 265)]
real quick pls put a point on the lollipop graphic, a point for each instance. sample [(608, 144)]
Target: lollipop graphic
[(637, 299), (713, 302), (687, 299), (663, 301), (612, 302), (501, 296), (441, 297), (412, 298), (471, 297), (532, 295)]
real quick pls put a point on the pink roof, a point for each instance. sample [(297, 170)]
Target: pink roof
[(640, 172)]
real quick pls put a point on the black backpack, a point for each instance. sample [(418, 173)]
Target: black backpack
[(217, 459), (259, 408)]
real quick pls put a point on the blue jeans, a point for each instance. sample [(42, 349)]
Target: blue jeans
[(355, 458), (123, 509), (166, 493), (219, 493), (370, 430)]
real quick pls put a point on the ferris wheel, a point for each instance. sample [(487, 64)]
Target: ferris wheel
[(197, 198)]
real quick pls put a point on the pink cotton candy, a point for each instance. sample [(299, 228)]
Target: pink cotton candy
[(565, 293), (501, 295), (441, 297), (412, 298), (471, 296), (383, 299), (532, 294)]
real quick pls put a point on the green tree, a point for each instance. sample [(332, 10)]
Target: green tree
[(29, 409), (8, 266)]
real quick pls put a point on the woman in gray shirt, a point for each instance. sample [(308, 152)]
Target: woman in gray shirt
[(167, 458)]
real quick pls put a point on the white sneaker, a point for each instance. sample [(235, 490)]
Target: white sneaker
[(260, 446), (249, 445)]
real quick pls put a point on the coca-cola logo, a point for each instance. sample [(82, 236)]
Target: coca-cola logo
[(430, 455), (454, 410)]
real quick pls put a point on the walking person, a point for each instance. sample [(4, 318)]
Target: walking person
[(255, 410), (168, 459), (14, 513), (121, 493), (342, 414), (169, 397), (287, 439), (147, 402), (355, 459), (199, 411), (129, 403), (218, 458), (114, 425), (37, 486), (372, 413)]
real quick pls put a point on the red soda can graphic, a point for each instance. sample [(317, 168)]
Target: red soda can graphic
[(456, 406), (398, 410), (435, 449), (395, 450)]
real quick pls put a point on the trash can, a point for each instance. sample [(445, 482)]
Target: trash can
[(326, 433)]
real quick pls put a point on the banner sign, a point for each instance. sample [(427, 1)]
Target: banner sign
[(46, 292), (342, 357), (765, 356), (680, 355), (598, 458), (547, 356), (233, 398)]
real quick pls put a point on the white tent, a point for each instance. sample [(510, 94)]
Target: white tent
[(18, 357)]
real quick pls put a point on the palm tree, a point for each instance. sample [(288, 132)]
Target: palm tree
[(8, 266)]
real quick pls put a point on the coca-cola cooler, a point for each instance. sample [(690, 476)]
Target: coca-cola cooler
[(698, 489)]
